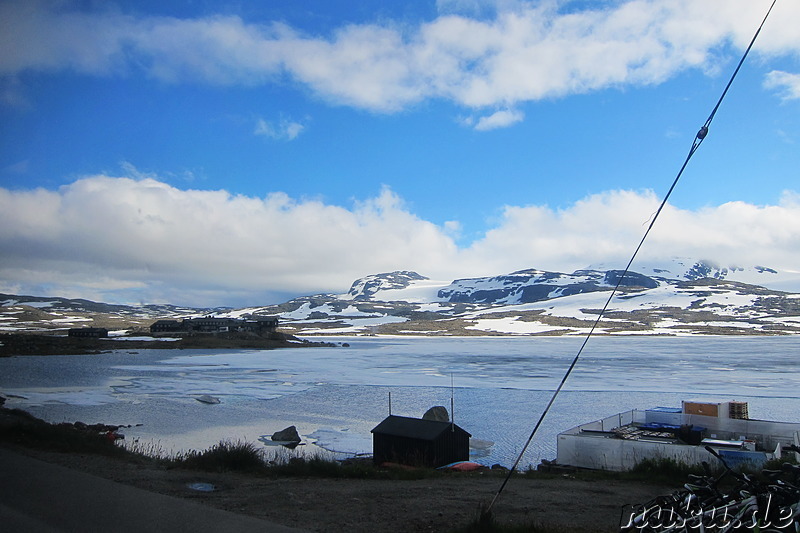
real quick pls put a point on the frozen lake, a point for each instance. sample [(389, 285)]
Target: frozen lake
[(336, 395)]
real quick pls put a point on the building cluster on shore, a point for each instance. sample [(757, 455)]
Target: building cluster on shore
[(682, 434), (95, 333), (209, 324)]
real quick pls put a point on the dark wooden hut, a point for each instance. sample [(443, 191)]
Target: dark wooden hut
[(418, 442), (88, 332)]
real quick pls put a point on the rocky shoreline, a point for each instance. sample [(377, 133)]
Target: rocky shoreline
[(31, 344)]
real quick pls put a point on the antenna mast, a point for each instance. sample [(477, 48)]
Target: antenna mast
[(452, 405)]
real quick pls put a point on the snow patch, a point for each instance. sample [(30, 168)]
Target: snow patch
[(341, 441), (512, 326), (422, 291)]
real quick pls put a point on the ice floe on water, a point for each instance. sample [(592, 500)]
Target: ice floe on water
[(210, 384), (341, 440), (64, 396), (115, 336), (480, 448)]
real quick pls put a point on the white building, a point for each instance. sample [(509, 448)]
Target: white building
[(619, 442)]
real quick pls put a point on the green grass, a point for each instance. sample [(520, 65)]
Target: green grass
[(23, 429), (226, 456), (659, 471), (777, 464), (664, 470), (288, 463), (20, 428), (247, 457)]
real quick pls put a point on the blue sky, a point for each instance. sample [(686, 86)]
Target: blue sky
[(213, 153)]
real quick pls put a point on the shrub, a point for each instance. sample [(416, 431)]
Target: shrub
[(664, 469), (322, 465), (24, 429), (227, 455)]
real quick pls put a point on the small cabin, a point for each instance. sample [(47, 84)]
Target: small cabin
[(419, 442)]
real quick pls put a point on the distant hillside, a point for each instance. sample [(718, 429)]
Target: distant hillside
[(678, 298), (42, 314)]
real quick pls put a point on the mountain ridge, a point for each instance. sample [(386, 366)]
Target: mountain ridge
[(679, 298)]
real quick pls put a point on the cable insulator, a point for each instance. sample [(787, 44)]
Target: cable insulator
[(702, 133)]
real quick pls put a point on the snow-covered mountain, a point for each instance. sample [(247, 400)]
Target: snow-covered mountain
[(678, 297), (527, 286), (532, 285), (518, 287), (367, 287), (683, 269)]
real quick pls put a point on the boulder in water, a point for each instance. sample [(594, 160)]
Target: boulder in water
[(286, 435), (438, 413)]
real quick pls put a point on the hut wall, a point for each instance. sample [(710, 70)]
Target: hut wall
[(448, 447)]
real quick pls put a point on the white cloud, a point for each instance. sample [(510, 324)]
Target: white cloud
[(282, 129), (477, 8), (453, 228), (123, 239), (606, 228), (499, 119), (133, 232), (470, 7), (787, 83), (524, 51)]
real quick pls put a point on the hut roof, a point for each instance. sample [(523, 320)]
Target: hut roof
[(417, 428)]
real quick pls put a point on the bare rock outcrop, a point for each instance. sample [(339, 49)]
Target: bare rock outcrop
[(438, 413)]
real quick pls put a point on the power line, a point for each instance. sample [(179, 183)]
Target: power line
[(698, 140)]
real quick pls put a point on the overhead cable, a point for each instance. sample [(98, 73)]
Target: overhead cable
[(698, 140)]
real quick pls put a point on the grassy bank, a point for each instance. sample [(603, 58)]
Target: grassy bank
[(19, 428), (22, 429)]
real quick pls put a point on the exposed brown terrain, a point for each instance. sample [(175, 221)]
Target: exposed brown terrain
[(442, 503), (416, 501)]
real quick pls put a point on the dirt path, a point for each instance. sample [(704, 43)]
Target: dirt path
[(347, 505)]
